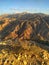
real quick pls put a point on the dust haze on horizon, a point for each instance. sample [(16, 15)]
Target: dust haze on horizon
[(19, 6)]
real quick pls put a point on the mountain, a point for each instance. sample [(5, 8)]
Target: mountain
[(25, 26), (24, 39)]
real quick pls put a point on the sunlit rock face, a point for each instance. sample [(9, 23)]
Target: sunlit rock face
[(25, 54), (25, 26), (24, 39)]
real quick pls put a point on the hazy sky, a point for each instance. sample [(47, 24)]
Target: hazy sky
[(14, 6)]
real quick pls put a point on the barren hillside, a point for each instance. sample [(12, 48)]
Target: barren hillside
[(24, 39)]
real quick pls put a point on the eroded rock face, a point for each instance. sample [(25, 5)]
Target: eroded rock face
[(24, 39), (25, 26)]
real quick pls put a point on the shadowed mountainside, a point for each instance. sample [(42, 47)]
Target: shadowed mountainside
[(24, 39), (26, 26)]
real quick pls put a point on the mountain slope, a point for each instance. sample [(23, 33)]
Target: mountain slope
[(25, 26)]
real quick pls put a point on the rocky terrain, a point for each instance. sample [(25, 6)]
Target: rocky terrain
[(23, 53), (25, 26), (24, 39)]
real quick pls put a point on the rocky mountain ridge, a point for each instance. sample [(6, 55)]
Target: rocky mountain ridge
[(25, 26)]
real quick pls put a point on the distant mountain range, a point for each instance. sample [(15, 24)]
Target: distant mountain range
[(24, 26)]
